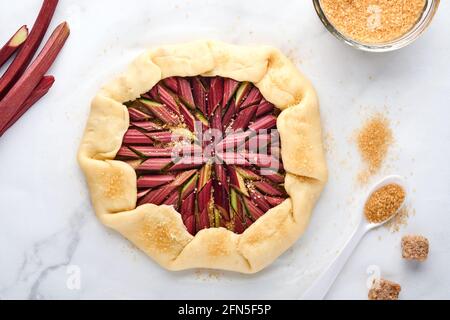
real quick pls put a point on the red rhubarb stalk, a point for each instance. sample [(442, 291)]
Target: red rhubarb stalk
[(171, 83), (215, 94), (186, 92), (241, 92), (172, 200), (168, 99), (138, 115), (188, 162), (189, 187), (13, 44), (254, 97), (221, 200), (244, 118), (188, 118), (41, 90), (269, 189), (190, 224), (125, 153), (274, 201), (204, 196), (154, 181), (188, 207), (29, 48), (199, 92), (161, 112), (133, 136), (252, 209), (264, 123), (19, 93), (147, 125), (229, 88), (155, 164), (260, 200), (229, 114), (248, 174), (264, 108)]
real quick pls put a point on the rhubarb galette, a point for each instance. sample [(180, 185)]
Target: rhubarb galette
[(206, 155)]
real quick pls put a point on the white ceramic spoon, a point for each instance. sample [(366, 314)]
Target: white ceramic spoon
[(321, 286)]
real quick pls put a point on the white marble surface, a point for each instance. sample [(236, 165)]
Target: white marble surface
[(48, 228)]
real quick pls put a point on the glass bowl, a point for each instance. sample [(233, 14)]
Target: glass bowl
[(409, 37)]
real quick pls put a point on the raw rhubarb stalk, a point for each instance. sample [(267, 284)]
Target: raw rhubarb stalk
[(221, 200), (168, 99), (143, 193), (262, 160), (185, 92), (264, 108), (204, 176), (254, 97), (229, 89), (154, 181), (172, 200), (268, 189), (233, 141), (171, 83), (221, 176), (137, 115), (203, 219), (152, 95), (215, 94), (163, 136), (13, 44), (229, 114), (252, 209), (216, 119), (183, 177), (155, 164), (41, 90), (152, 152), (273, 176), (241, 93), (188, 162), (190, 224), (260, 200), (244, 118), (26, 53), (188, 207), (233, 158), (258, 143), (19, 93), (204, 196), (236, 181), (189, 187), (199, 92), (134, 136), (159, 195), (125, 153), (188, 118), (200, 117), (264, 123), (238, 225), (248, 174), (274, 201), (161, 112), (147, 125)]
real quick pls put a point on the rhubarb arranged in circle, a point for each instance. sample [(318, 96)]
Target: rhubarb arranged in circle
[(209, 147)]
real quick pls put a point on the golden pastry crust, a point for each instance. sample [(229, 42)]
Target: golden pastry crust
[(159, 230)]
